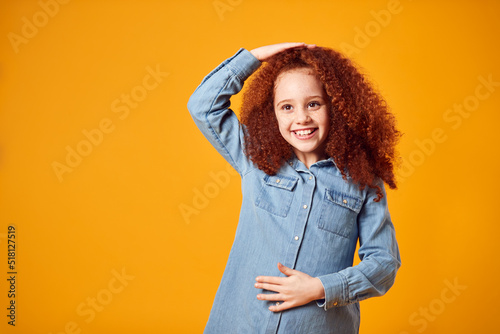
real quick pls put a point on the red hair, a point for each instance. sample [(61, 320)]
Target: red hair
[(362, 136)]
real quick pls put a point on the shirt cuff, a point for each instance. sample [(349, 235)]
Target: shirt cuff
[(243, 64), (336, 291)]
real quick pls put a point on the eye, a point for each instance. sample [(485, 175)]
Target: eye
[(286, 107), (314, 105)]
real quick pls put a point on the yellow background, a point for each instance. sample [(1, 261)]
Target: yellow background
[(120, 208)]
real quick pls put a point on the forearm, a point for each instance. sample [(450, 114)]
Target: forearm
[(209, 106), (214, 92), (379, 254), (368, 279)]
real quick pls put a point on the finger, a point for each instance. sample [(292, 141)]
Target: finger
[(278, 307), (272, 50), (264, 52), (270, 287), (285, 270), (270, 279), (292, 46), (270, 297)]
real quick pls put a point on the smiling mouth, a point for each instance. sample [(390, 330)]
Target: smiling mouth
[(304, 133)]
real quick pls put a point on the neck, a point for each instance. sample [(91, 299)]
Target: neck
[(310, 158)]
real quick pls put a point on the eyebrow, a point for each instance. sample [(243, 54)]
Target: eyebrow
[(307, 98)]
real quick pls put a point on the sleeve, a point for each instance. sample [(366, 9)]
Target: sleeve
[(379, 254), (209, 106)]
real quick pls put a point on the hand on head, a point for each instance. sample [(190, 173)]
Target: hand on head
[(264, 52)]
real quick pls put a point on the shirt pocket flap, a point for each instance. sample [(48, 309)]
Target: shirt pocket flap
[(346, 201), (281, 181)]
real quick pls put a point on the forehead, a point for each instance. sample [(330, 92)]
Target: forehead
[(299, 71), (301, 79)]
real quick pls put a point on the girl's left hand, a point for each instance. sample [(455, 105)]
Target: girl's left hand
[(294, 290)]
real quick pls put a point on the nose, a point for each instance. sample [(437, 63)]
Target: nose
[(302, 116)]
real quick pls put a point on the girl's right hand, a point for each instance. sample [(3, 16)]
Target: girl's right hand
[(264, 52)]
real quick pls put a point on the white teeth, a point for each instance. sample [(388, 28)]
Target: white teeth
[(303, 132)]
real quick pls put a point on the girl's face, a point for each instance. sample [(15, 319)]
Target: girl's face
[(300, 105)]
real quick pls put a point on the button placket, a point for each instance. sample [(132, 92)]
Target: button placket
[(301, 218)]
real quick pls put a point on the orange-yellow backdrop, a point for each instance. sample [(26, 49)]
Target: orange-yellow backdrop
[(123, 213)]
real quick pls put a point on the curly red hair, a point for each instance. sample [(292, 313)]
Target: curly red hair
[(363, 133)]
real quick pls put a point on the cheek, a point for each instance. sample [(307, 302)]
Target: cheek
[(283, 132), (282, 125), (325, 121)]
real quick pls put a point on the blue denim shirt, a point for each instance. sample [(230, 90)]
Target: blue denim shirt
[(308, 219)]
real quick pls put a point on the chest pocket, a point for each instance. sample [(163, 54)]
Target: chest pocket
[(276, 194), (339, 212)]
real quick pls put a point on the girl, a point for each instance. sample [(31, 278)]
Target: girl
[(313, 149)]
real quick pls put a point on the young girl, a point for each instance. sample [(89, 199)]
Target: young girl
[(313, 149)]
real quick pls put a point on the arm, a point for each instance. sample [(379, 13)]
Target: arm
[(379, 254), (209, 105), (373, 276)]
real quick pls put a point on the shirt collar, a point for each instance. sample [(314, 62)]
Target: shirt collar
[(299, 166)]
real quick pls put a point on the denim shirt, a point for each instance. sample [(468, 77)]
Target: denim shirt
[(307, 219)]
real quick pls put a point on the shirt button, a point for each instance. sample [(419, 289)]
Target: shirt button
[(310, 177), (344, 201), (296, 237), (305, 206), (278, 181)]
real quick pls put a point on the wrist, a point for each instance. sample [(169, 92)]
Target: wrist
[(319, 289), (255, 54)]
